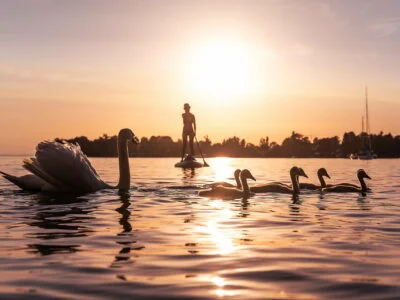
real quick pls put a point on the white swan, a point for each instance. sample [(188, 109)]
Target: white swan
[(64, 168), (221, 192)]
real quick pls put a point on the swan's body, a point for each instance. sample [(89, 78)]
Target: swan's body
[(287, 185), (344, 183), (236, 175), (281, 188), (62, 167), (221, 192), (310, 186), (347, 184), (280, 183), (349, 188)]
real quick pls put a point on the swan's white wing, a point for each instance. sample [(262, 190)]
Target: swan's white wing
[(33, 166), (28, 182), (66, 167)]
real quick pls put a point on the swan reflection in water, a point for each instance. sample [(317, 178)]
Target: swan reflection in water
[(244, 208), (128, 237), (295, 209), (62, 218), (57, 218)]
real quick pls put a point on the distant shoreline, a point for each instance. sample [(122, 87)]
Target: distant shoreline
[(294, 146), (206, 157)]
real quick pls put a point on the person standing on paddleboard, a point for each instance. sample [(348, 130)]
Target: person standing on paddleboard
[(189, 129)]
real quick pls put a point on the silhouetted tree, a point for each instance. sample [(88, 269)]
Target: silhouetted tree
[(326, 147), (296, 146)]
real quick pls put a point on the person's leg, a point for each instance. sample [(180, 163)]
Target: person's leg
[(191, 144), (184, 142)]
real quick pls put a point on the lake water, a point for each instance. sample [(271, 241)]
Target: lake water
[(165, 242)]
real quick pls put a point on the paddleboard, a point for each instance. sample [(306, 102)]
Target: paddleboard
[(189, 162)]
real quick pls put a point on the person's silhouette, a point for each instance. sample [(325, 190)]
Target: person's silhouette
[(189, 129)]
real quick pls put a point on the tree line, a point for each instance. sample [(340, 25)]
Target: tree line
[(297, 145)]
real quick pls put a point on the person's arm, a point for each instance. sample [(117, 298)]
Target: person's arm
[(194, 124)]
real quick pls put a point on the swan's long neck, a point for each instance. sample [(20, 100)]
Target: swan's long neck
[(238, 183), (245, 186), (295, 184), (322, 181), (124, 171), (363, 184)]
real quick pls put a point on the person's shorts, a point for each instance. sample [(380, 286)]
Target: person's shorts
[(187, 133)]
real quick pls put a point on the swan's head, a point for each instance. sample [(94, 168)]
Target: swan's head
[(236, 173), (323, 172), (362, 174), (302, 173), (127, 135), (244, 174), (296, 171)]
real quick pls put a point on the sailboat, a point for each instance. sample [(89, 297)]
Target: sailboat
[(366, 152)]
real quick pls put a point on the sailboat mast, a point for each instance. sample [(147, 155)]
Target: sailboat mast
[(362, 124), (366, 111), (367, 125)]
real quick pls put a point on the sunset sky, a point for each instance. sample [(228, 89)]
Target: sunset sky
[(248, 68)]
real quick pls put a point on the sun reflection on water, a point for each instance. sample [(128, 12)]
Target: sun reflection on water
[(222, 241), (222, 167), (221, 237), (222, 293), (218, 281), (220, 285)]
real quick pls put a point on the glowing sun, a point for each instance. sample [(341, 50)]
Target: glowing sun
[(220, 70)]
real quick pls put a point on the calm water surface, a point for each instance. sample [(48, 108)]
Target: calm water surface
[(166, 242)]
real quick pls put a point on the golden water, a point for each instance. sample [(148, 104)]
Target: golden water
[(166, 242)]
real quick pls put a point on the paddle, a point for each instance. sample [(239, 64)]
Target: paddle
[(201, 153)]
